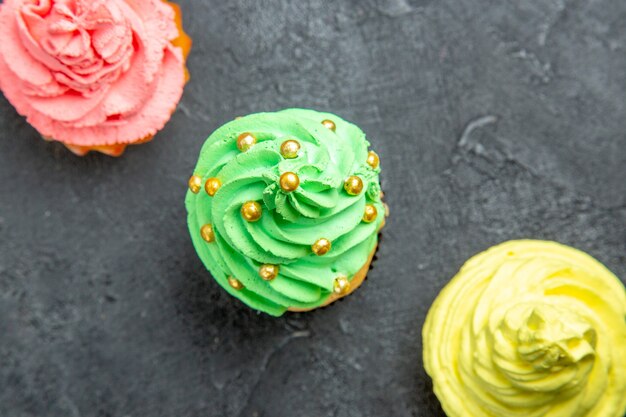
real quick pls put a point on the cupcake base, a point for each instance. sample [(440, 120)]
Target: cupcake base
[(110, 150)]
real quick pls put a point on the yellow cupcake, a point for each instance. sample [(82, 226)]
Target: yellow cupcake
[(529, 328)]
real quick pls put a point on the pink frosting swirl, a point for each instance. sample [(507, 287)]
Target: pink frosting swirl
[(91, 72)]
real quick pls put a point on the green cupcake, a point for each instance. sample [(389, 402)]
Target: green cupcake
[(284, 209)]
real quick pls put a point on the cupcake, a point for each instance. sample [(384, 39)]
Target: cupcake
[(529, 328), (284, 209), (96, 75)]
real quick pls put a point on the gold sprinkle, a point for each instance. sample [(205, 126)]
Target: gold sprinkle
[(370, 213), (321, 247), (289, 182), (251, 211), (212, 185), (245, 141), (353, 185), (207, 233), (329, 124), (268, 272), (373, 160), (235, 283), (195, 183), (341, 286), (289, 149)]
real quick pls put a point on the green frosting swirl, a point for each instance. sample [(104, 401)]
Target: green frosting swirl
[(291, 222)]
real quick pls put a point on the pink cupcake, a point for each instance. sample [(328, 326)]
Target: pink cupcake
[(96, 75)]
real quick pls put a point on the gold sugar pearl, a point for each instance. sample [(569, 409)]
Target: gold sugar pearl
[(370, 213), (353, 185), (212, 185), (195, 183), (251, 211), (268, 272), (207, 233), (235, 283), (373, 160), (329, 124), (289, 182), (289, 149), (386, 209), (245, 141), (321, 247), (341, 286)]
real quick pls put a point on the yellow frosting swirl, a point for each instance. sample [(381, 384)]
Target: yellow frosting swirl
[(529, 328)]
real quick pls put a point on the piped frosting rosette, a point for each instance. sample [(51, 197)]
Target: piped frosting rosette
[(285, 208), (96, 75), (529, 328)]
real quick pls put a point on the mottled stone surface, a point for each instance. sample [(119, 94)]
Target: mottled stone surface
[(494, 120)]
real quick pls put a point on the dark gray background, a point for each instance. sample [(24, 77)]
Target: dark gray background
[(494, 120)]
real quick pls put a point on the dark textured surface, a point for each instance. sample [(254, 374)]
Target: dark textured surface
[(494, 120)]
